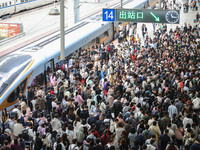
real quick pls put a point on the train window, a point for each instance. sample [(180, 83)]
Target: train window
[(22, 1), (3, 87), (0, 6), (106, 33), (98, 40), (14, 95), (3, 5), (6, 4), (10, 3)]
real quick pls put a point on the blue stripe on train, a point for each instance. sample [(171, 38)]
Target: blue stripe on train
[(18, 4)]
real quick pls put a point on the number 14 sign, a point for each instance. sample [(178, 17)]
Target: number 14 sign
[(108, 14)]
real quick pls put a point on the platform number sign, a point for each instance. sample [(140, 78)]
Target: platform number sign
[(108, 14)]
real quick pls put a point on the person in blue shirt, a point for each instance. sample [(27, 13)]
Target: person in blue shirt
[(103, 72), (140, 138)]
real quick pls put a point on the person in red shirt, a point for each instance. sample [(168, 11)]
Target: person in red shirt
[(105, 138)]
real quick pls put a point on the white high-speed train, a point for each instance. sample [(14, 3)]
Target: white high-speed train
[(8, 7)]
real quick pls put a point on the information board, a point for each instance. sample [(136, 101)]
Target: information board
[(142, 15)]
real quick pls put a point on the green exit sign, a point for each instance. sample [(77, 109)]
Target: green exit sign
[(148, 16)]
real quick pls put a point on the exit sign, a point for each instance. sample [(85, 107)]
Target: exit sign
[(142, 15)]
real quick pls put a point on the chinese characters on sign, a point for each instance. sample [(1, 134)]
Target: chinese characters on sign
[(131, 15)]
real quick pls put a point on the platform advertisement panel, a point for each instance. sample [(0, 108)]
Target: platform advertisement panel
[(10, 29)]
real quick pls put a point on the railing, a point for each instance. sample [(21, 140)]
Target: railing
[(8, 39)]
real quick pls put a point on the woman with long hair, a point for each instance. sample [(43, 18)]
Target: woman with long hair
[(65, 140), (4, 118), (53, 79), (59, 144), (71, 116), (105, 138), (76, 124)]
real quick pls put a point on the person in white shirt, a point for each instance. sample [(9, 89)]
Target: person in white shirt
[(171, 132), (17, 128), (150, 146), (196, 102), (11, 123), (33, 101), (139, 114), (187, 120), (16, 110), (74, 145), (56, 124), (172, 110), (53, 103)]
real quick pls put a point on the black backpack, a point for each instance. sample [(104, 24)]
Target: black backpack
[(22, 120), (25, 134), (36, 125), (103, 126)]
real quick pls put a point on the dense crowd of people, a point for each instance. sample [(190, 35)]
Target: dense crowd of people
[(115, 97)]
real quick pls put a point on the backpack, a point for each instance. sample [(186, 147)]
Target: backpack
[(36, 125), (22, 120), (146, 135), (102, 128), (74, 148), (25, 134), (63, 67), (171, 147), (85, 147)]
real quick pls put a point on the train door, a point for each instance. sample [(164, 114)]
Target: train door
[(49, 68), (15, 94)]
